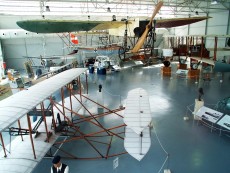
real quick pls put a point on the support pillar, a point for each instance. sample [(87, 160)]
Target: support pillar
[(198, 105), (215, 48)]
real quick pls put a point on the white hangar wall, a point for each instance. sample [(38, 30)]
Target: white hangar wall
[(15, 50)]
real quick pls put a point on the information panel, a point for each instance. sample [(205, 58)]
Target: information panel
[(182, 72), (209, 114), (225, 122)]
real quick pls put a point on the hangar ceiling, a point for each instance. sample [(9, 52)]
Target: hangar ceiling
[(12, 11), (102, 9)]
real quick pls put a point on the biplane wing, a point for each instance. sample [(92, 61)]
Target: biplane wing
[(22, 155), (205, 60), (41, 57), (60, 26), (137, 117), (16, 106), (219, 49), (175, 22), (53, 57)]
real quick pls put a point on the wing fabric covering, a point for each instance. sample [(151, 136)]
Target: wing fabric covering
[(60, 26), (175, 22)]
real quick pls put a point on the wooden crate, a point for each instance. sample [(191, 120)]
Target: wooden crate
[(182, 66), (166, 71), (193, 73)]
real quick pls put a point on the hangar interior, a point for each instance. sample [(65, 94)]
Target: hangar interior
[(179, 143)]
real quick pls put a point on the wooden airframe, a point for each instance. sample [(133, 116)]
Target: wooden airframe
[(30, 147)]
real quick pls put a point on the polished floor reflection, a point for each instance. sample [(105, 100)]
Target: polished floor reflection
[(176, 144)]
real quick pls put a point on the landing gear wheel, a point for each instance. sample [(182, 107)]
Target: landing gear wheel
[(147, 53), (121, 53)]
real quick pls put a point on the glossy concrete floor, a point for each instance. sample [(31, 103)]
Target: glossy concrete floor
[(179, 145)]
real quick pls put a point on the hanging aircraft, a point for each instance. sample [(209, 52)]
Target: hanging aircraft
[(142, 32), (63, 26)]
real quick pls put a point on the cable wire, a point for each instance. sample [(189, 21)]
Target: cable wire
[(167, 157)]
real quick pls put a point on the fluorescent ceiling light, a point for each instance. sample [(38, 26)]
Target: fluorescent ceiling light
[(214, 2)]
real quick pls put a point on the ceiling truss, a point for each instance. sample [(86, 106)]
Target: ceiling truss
[(122, 8)]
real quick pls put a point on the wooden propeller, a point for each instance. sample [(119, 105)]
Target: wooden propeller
[(148, 26)]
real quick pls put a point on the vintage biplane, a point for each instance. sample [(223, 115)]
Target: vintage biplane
[(194, 48), (59, 124), (51, 61), (44, 65)]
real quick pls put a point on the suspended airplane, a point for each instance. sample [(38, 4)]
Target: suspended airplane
[(61, 26)]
